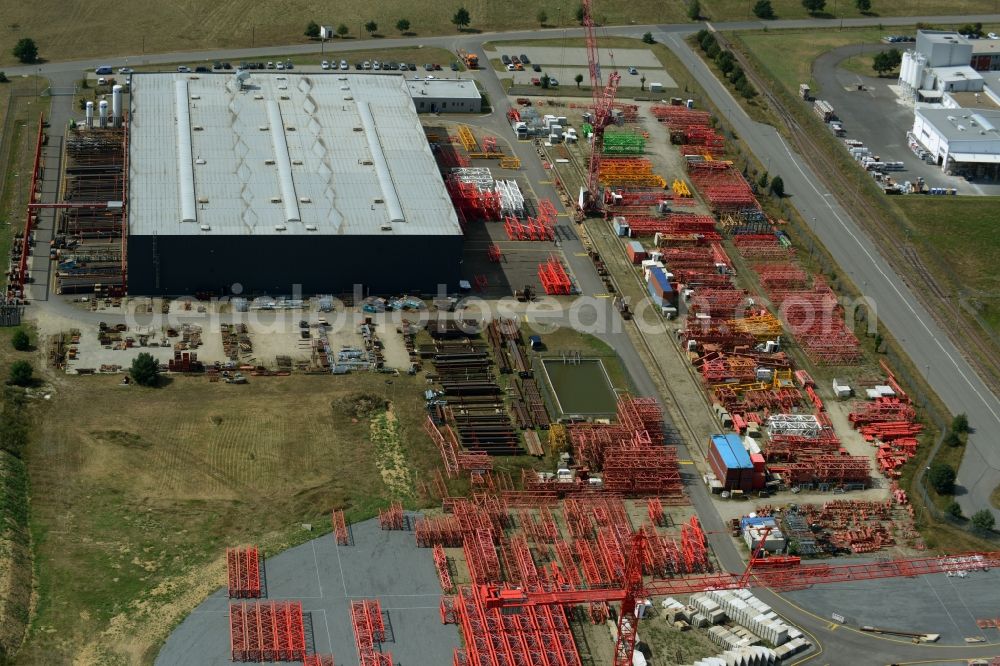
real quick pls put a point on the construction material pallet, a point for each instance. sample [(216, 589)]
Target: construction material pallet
[(243, 572), (267, 631)]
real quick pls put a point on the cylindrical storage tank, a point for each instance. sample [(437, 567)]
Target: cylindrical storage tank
[(103, 112), (90, 114), (116, 105), (904, 68)]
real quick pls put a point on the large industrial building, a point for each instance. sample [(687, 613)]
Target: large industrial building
[(277, 182)]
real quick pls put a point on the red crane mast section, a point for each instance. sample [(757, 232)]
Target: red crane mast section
[(635, 588), (604, 99)]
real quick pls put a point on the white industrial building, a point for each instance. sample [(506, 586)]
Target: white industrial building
[(960, 137), (445, 95), (939, 64), (273, 181)]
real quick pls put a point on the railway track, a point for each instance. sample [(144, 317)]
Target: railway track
[(902, 257)]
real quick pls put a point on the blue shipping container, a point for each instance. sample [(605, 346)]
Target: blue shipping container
[(622, 229), (658, 278), (731, 452)]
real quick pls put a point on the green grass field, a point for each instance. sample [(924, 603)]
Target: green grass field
[(70, 29), (136, 493), (793, 9), (962, 233)]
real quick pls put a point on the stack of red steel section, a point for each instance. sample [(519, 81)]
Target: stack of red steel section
[(243, 568)]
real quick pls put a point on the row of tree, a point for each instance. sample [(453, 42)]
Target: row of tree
[(461, 19), (763, 9), (727, 63)]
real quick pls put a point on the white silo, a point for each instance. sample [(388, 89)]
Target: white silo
[(102, 112), (116, 106), (90, 114)]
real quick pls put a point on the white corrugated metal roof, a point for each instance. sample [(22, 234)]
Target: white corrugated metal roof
[(351, 144), (450, 88)]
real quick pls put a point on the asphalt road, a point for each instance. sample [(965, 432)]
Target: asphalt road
[(927, 344)]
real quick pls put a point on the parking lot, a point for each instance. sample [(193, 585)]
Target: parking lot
[(564, 64)]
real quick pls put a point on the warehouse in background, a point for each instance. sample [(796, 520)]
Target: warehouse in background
[(276, 182)]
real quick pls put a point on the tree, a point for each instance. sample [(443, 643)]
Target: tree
[(864, 6), (763, 10), (25, 50), (954, 509), (145, 369), (983, 520), (579, 79), (813, 6), (642, 83), (778, 187), (342, 29), (545, 80), (960, 423), (542, 17), (371, 27), (952, 439), (580, 13), (461, 18), (648, 38), (942, 478), (312, 30), (763, 181), (3, 77), (694, 10), (403, 25), (708, 41), (726, 62), (20, 373), (886, 61)]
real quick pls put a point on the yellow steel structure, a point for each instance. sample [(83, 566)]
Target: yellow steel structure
[(467, 139), (636, 180), (681, 188), (761, 327), (558, 441), (510, 163)]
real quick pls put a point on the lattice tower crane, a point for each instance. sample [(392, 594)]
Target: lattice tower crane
[(635, 588), (604, 99)]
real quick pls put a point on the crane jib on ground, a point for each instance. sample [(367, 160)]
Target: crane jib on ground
[(758, 573)]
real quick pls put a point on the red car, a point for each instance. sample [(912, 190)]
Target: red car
[(536, 81)]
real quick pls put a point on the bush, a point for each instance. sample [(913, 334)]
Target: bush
[(694, 10), (952, 439), (403, 25), (312, 30), (342, 29), (763, 10), (708, 41), (21, 373), (648, 38), (954, 509), (960, 423), (580, 13), (145, 369), (371, 27), (26, 50), (3, 77), (542, 16), (20, 340), (983, 520), (942, 478), (864, 6), (813, 6)]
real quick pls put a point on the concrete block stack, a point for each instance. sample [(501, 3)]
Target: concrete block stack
[(732, 639), (709, 608), (749, 611), (756, 655)]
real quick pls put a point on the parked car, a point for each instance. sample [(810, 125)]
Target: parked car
[(437, 67), (535, 81), (394, 66), (343, 64), (183, 69), (519, 67), (270, 65), (367, 64), (216, 65), (510, 67), (280, 65), (553, 83), (505, 59), (260, 65), (454, 66), (524, 59), (536, 67), (227, 65), (633, 71), (325, 64), (358, 65), (402, 66), (413, 66), (428, 67), (125, 70), (103, 69), (202, 69), (289, 64), (376, 65), (515, 60)]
